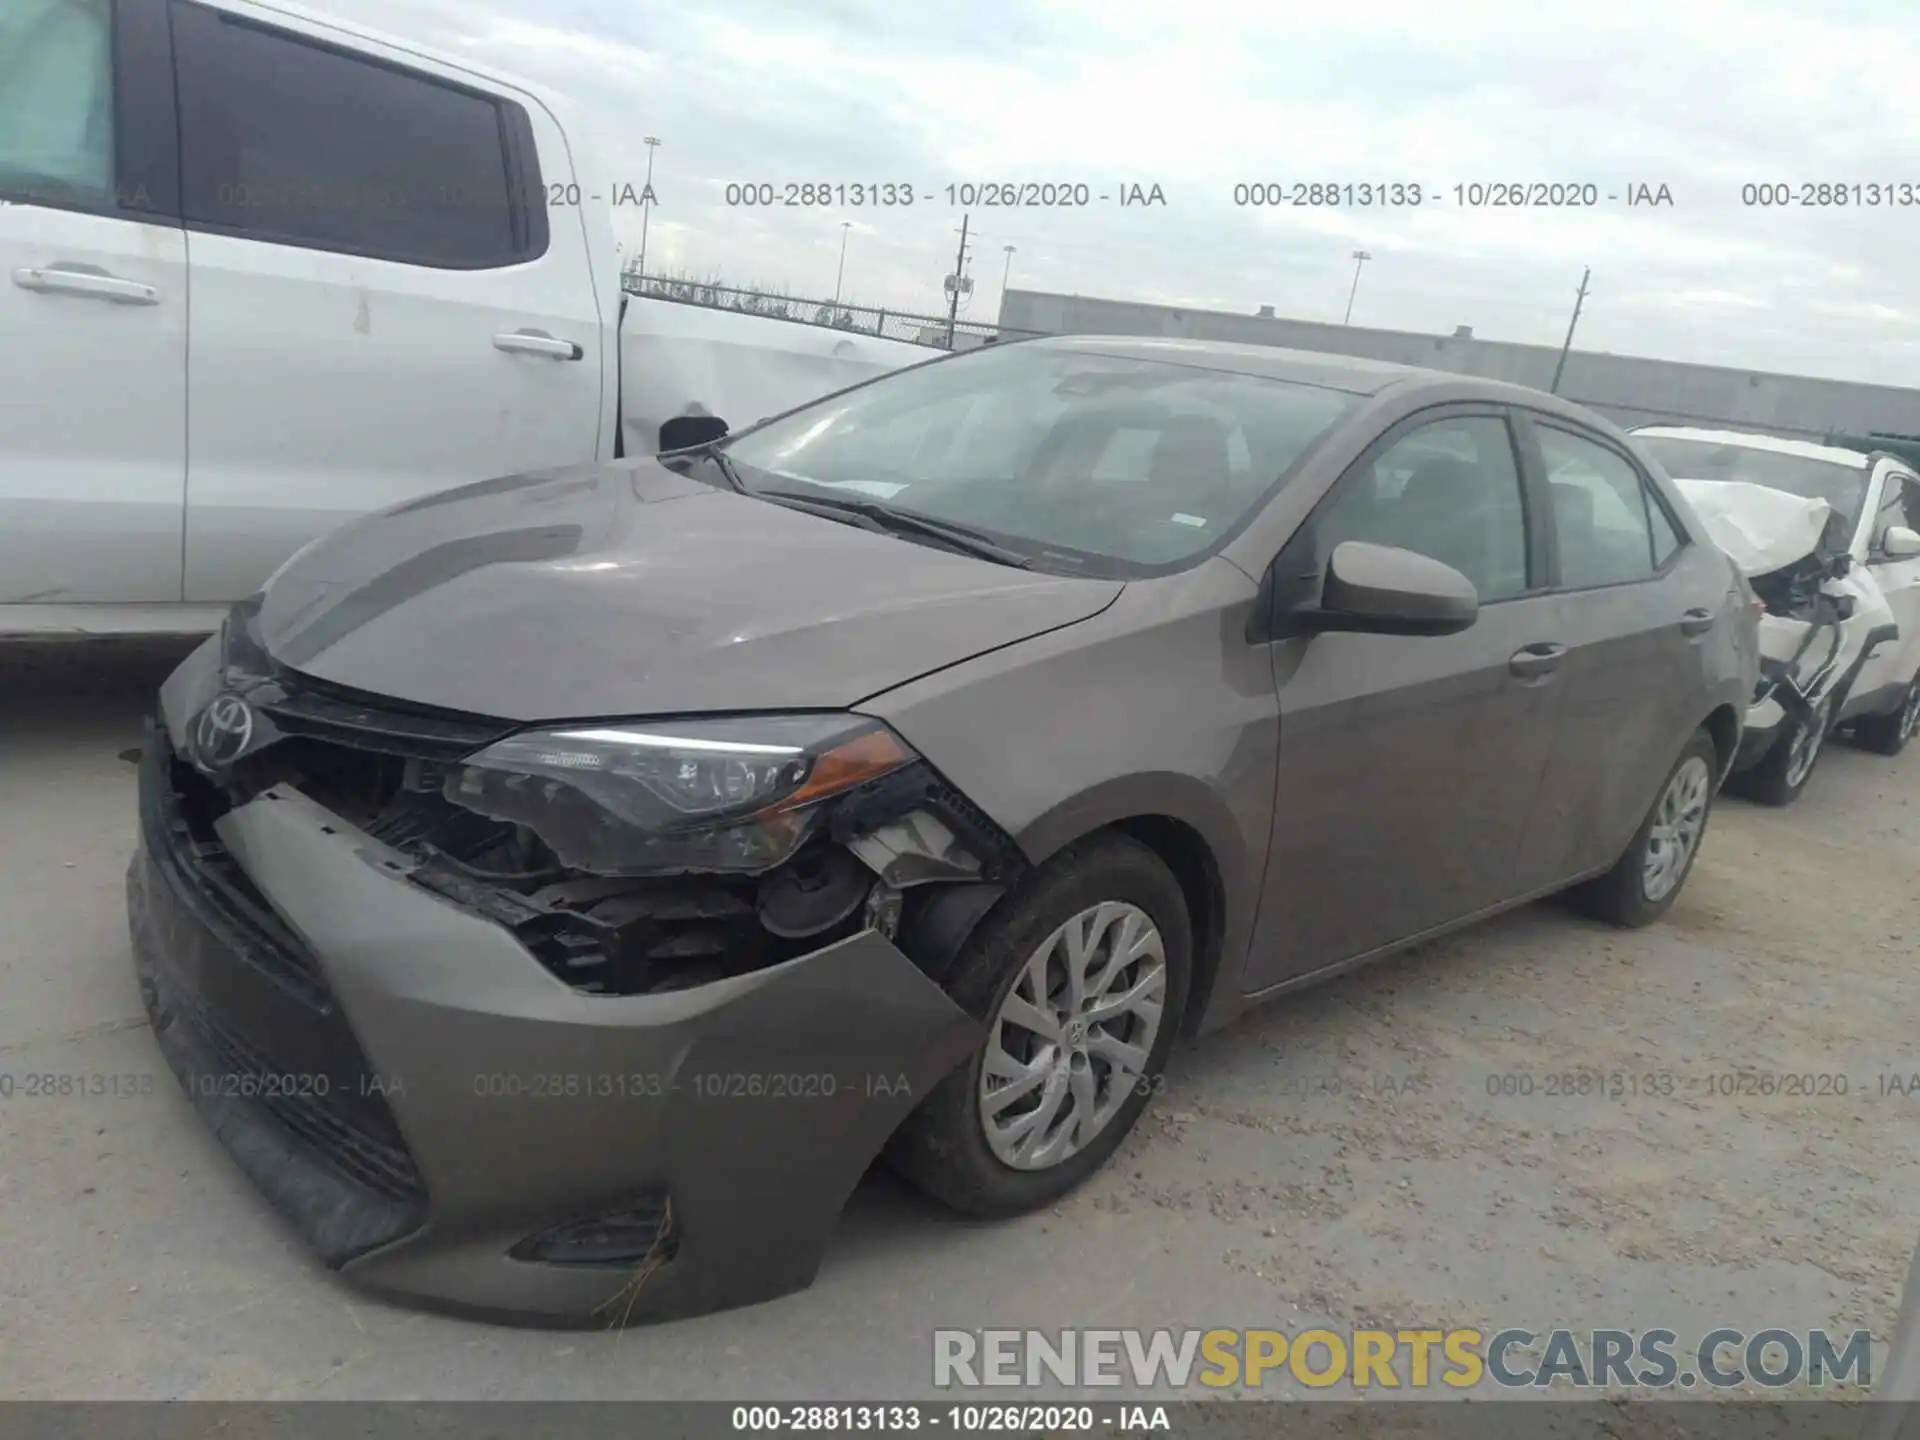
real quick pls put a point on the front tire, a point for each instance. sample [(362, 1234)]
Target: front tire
[(1646, 879), (1888, 734), (1081, 977), (1780, 777)]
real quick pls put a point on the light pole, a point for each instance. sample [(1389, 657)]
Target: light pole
[(958, 280), (840, 274), (1008, 270), (646, 203), (1360, 257)]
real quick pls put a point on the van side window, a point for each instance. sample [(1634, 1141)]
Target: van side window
[(56, 101), (286, 139)]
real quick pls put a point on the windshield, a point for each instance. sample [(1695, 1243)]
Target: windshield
[(1080, 462), (1842, 486)]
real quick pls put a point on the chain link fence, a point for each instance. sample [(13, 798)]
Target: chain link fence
[(886, 324)]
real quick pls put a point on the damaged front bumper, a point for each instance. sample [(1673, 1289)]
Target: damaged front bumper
[(444, 1119), (1807, 674), (1765, 722)]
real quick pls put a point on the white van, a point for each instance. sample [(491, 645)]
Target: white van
[(260, 272)]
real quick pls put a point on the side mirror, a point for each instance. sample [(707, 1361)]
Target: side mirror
[(683, 432), (1384, 590), (1900, 543)]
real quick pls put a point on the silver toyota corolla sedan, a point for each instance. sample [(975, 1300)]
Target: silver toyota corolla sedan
[(557, 891)]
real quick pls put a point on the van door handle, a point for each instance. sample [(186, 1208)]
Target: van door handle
[(537, 342), (1696, 622), (1537, 661), (88, 282)]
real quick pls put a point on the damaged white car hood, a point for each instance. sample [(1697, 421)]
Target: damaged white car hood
[(1761, 528)]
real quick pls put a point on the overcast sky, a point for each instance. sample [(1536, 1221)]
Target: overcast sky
[(1197, 96)]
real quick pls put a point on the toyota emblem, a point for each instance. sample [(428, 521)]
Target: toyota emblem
[(223, 732)]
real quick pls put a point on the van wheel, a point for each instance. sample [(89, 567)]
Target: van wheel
[(1780, 777), (1888, 734), (1646, 879), (1081, 979)]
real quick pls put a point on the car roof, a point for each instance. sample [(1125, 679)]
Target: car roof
[(1352, 373), (1749, 440)]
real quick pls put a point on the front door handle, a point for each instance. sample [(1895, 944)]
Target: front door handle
[(89, 282), (1537, 661), (537, 342), (1696, 622)]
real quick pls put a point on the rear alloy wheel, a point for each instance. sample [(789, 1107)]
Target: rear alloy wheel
[(1080, 977), (1889, 734), (1783, 774), (1646, 879)]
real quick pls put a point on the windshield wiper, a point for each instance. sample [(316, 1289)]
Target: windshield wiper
[(725, 467), (877, 515)]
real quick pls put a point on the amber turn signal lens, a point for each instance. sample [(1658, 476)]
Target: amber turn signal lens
[(854, 762)]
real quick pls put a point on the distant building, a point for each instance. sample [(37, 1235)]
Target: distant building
[(1625, 388)]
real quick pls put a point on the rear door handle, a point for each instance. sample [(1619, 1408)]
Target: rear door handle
[(537, 342), (1537, 661), (1696, 622), (88, 282)]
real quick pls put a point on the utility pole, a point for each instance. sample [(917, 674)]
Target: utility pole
[(1360, 257), (646, 203), (955, 280), (1578, 300), (845, 226)]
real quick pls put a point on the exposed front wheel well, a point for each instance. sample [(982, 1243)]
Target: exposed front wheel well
[(1724, 726), (1191, 859)]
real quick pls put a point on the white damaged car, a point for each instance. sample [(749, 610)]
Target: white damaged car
[(1829, 539)]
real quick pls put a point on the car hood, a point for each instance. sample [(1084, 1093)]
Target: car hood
[(1763, 529), (631, 589)]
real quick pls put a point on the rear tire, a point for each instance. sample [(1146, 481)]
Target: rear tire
[(1783, 773), (1888, 734), (1647, 878), (1106, 896)]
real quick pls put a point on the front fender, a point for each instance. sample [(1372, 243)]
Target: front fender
[(1234, 869)]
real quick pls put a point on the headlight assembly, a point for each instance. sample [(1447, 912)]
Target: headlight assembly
[(737, 794)]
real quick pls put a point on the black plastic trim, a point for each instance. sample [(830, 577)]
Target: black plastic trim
[(920, 787)]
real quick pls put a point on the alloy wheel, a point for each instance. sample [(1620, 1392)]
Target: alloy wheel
[(1072, 1039), (1910, 712), (1806, 745), (1678, 820)]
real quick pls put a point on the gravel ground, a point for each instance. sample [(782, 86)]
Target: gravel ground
[(1540, 1121)]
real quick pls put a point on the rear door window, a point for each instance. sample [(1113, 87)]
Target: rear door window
[(1666, 536), (290, 140), (1611, 530)]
